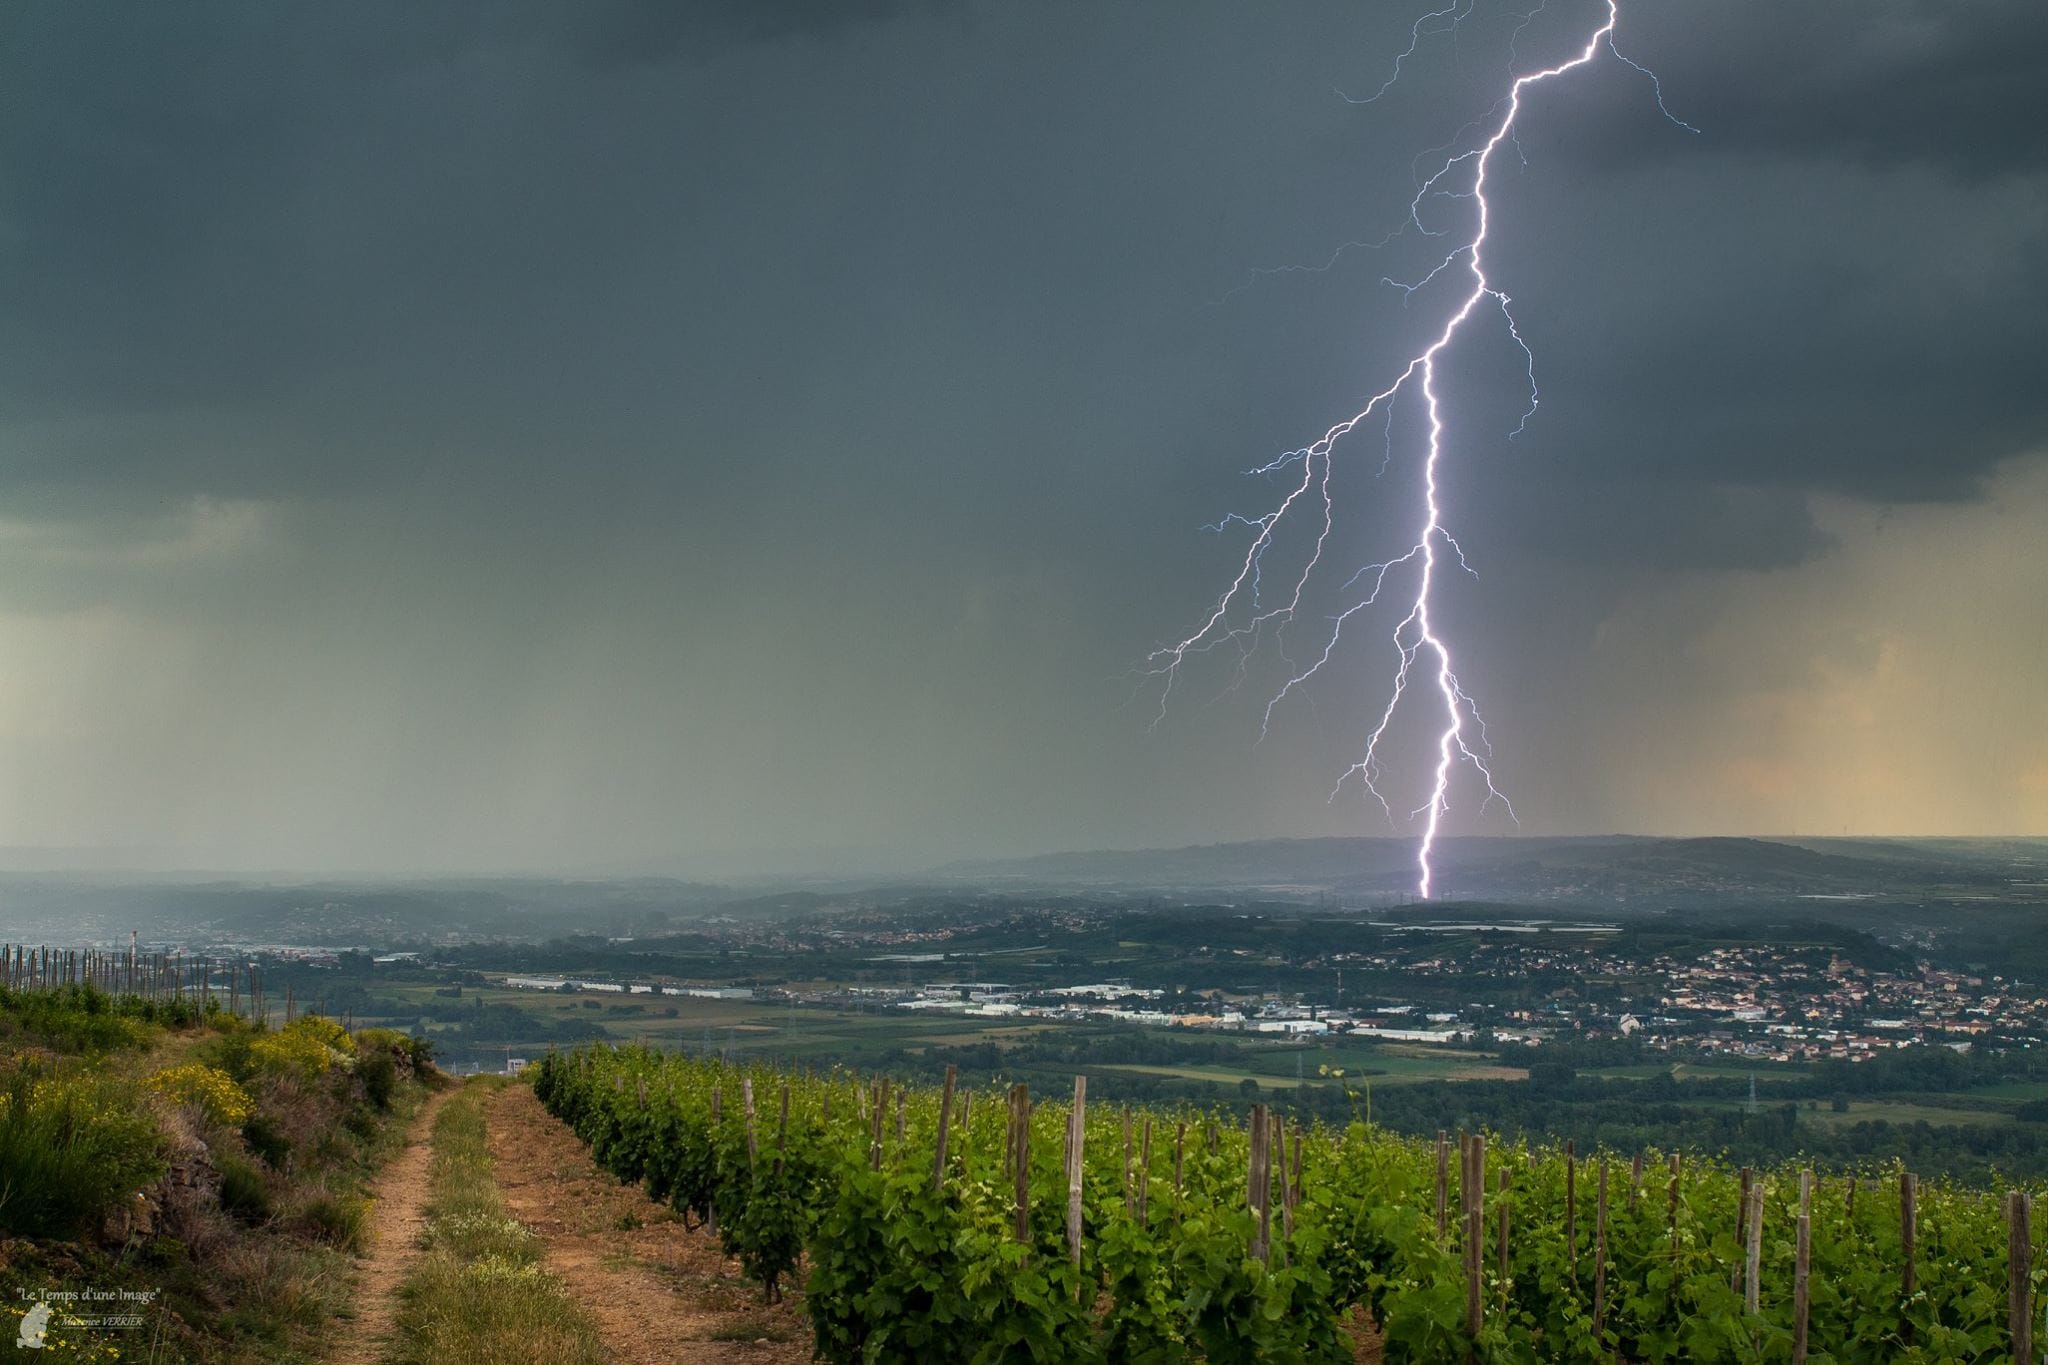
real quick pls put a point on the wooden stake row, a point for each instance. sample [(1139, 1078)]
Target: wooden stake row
[(230, 984), (1267, 1132)]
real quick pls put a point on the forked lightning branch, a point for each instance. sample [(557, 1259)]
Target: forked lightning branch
[(1424, 673)]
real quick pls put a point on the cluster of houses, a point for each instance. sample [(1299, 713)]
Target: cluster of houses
[(1119, 1002), (1771, 1004)]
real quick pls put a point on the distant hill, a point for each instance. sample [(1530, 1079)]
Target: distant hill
[(85, 908), (1252, 863), (1614, 869)]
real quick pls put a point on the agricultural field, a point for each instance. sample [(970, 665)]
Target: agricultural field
[(811, 1035)]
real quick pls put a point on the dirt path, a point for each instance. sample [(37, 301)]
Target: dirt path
[(397, 1212), (657, 1292)]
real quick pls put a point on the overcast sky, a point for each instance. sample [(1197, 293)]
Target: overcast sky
[(509, 436)]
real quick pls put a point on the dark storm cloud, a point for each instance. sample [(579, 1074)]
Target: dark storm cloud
[(625, 32), (511, 390), (230, 210), (1957, 87), (1834, 286), (492, 226)]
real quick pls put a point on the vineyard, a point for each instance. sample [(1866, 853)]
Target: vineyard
[(963, 1227)]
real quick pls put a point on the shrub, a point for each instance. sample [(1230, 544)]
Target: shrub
[(417, 1052), (211, 1091), (243, 1192), (70, 1149), (75, 1019), (265, 1140), (306, 1048), (322, 1029), (337, 1220), (230, 1052), (379, 1075), (422, 1049)]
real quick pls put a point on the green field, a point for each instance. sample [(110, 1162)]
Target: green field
[(1941, 1111), (1903, 1111), (1361, 1068), (2015, 1090), (826, 1037), (802, 1033)]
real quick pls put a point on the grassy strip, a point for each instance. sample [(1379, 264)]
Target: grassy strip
[(480, 1292)]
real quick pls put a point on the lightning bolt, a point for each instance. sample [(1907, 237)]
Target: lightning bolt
[(1245, 614)]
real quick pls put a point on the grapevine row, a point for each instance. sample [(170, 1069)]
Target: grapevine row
[(950, 1225)]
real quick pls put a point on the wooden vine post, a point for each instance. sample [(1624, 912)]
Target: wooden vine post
[(1130, 1194), (945, 1121), (1020, 1159), (1745, 1180), (717, 1113), (1077, 1133), (1443, 1168), (1144, 1171), (1600, 1252), (1571, 1213), (1279, 1141), (2019, 1269), (1672, 1199), (781, 1125), (875, 1125), (1753, 1252), (1258, 1183), (1472, 1185), (1909, 1228), (1180, 1146), (1802, 1267)]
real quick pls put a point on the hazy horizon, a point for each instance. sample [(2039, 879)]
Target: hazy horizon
[(770, 865)]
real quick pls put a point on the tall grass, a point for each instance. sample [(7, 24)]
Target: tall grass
[(71, 1147), (84, 1018), (480, 1292)]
